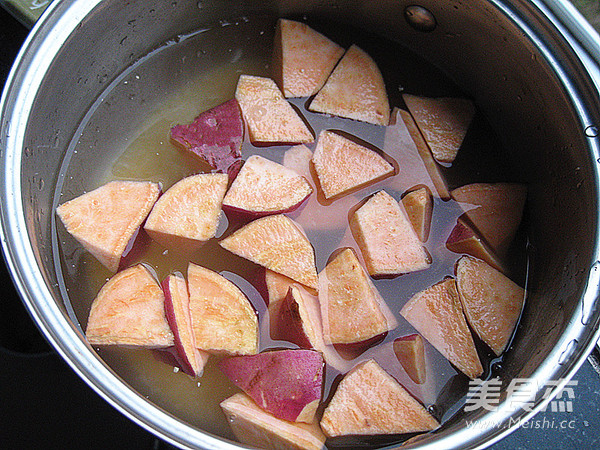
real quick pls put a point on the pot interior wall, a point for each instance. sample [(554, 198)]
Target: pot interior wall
[(484, 52)]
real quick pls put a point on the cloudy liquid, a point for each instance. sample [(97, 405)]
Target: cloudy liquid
[(198, 72)]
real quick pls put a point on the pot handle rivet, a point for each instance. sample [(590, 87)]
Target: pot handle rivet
[(420, 18), (591, 131)]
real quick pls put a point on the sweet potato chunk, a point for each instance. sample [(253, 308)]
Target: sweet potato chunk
[(265, 187), (130, 311), (368, 401), (277, 286), (315, 215), (106, 219), (443, 121), (269, 117), (257, 428), (355, 90), (433, 168), (410, 352), (418, 205), (437, 314), (343, 165), (297, 318), (463, 239), (177, 309), (386, 238), (296, 322), (223, 318), (352, 310), (491, 301), (302, 58), (285, 383), (215, 136), (277, 243), (416, 166), (187, 215), (495, 209)]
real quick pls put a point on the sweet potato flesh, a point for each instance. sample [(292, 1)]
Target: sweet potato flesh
[(315, 215), (443, 121), (418, 205), (223, 319), (277, 243), (433, 168), (188, 213), (104, 220), (410, 352), (388, 241), (495, 209), (437, 314), (255, 427), (177, 309), (269, 117), (368, 401), (303, 58), (492, 302), (355, 90), (265, 187), (343, 166), (130, 311), (463, 239), (351, 307)]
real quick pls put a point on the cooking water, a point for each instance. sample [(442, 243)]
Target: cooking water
[(130, 125)]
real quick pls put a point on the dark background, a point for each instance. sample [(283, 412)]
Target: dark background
[(43, 404)]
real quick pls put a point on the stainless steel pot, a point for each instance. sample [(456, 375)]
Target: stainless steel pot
[(531, 67)]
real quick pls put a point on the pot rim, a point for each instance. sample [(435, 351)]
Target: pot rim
[(57, 24)]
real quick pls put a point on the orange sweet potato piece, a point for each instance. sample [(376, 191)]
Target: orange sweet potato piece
[(443, 121), (277, 286), (463, 239), (269, 117), (433, 168), (315, 215), (418, 205), (343, 165), (352, 310), (187, 215), (265, 187), (491, 301), (438, 316), (302, 58), (410, 352), (106, 219), (277, 243), (223, 318), (355, 90), (177, 309), (495, 209), (386, 238), (130, 311), (255, 427), (368, 401), (297, 318)]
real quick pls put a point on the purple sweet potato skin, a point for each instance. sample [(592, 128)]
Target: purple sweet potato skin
[(170, 314), (281, 382), (291, 323), (215, 136)]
